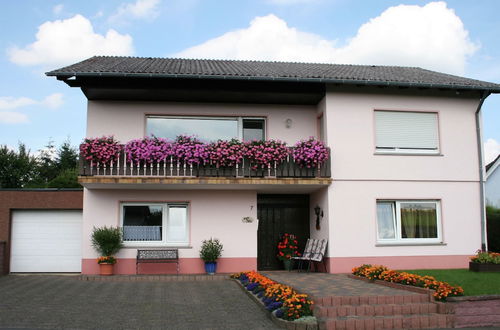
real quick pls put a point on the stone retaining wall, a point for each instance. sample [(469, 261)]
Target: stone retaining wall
[(475, 311)]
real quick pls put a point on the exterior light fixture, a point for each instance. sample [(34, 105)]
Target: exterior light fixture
[(319, 215)]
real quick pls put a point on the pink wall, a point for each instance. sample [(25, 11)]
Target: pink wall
[(345, 265), (353, 231), (360, 177), (126, 266), (350, 121), (102, 117), (212, 214)]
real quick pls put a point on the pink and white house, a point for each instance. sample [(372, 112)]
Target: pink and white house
[(403, 185)]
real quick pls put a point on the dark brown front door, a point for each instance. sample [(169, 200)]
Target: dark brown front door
[(279, 214)]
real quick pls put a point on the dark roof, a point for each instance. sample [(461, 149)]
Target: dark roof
[(492, 163), (116, 66)]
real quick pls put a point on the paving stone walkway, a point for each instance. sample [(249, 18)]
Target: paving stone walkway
[(323, 284), (66, 302)]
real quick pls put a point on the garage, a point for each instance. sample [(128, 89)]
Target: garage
[(46, 241)]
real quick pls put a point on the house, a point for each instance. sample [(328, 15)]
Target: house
[(389, 193), (492, 185)]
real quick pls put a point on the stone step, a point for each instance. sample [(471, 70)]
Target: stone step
[(424, 321), (375, 310), (372, 300)]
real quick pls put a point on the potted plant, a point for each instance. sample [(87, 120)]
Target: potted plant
[(210, 251), (485, 262), (287, 249), (107, 241)]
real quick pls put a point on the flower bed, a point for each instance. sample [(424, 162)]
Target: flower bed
[(282, 300), (442, 289)]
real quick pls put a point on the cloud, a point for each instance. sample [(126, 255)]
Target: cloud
[(53, 101), (8, 102), (141, 9), (491, 150), (12, 117), (57, 9), (430, 36), (290, 2), (62, 42)]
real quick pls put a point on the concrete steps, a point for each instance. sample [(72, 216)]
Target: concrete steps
[(412, 311)]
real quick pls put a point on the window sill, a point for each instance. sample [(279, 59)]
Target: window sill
[(411, 244), (387, 153), (155, 246)]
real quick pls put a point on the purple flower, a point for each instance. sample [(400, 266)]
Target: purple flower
[(148, 150), (102, 150), (310, 153), (264, 154)]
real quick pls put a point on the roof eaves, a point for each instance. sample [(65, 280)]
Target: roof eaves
[(66, 75)]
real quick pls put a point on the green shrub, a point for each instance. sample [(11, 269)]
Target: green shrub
[(493, 227), (107, 240), (211, 250)]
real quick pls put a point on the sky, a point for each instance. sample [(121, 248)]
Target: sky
[(458, 37)]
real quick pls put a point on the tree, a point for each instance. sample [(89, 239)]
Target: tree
[(47, 166), (68, 178), (17, 169), (67, 157)]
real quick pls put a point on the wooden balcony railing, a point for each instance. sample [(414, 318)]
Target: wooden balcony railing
[(124, 167)]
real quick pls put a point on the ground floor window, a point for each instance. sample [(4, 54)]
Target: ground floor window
[(155, 223), (408, 221)]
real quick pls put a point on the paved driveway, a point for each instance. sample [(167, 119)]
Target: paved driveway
[(63, 302)]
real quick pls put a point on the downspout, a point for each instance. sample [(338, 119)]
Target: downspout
[(484, 240)]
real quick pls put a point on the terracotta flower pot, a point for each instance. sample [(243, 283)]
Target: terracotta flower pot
[(106, 269)]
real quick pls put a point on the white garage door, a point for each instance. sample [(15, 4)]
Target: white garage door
[(46, 241)]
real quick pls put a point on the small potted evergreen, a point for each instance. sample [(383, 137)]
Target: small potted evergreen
[(210, 251), (107, 241)]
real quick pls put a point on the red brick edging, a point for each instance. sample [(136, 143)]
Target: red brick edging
[(410, 288)]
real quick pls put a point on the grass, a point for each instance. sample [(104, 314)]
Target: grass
[(473, 283)]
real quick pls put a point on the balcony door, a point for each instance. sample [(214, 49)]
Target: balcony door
[(279, 214)]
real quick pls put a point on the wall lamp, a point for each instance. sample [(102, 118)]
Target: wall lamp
[(319, 215)]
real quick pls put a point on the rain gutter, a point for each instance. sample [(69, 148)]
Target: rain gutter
[(484, 237)]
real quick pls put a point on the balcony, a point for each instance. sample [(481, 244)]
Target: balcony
[(172, 174)]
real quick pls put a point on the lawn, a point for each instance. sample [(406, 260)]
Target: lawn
[(473, 283)]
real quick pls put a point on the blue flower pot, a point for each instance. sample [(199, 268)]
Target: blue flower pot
[(210, 267)]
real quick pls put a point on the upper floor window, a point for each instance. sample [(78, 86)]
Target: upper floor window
[(206, 128), (408, 222), (406, 132)]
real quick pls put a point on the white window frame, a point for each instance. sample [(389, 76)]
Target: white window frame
[(238, 119), (399, 240), (165, 220), (410, 151)]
